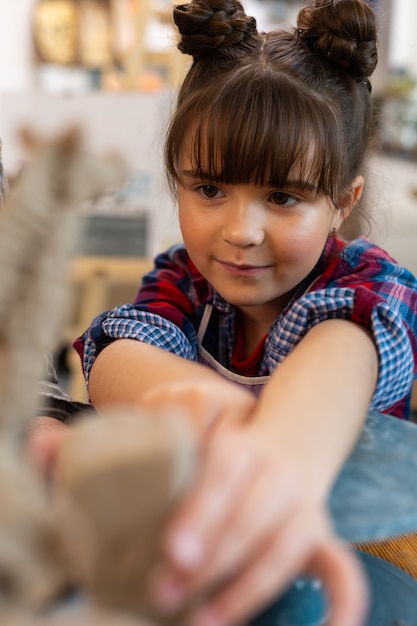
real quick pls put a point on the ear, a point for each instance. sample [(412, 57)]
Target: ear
[(348, 200)]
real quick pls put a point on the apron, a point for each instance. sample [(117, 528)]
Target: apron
[(251, 383)]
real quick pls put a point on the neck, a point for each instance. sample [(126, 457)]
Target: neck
[(254, 328)]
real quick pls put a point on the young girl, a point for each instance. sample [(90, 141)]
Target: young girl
[(272, 332)]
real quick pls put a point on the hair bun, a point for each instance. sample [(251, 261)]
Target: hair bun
[(343, 32), (211, 24)]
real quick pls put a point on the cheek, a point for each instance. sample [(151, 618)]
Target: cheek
[(302, 242), (314, 229), (194, 231), (185, 216), (188, 224), (197, 226)]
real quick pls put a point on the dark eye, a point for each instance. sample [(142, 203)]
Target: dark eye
[(209, 191), (282, 199)]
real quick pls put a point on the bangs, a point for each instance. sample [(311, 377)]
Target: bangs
[(263, 130)]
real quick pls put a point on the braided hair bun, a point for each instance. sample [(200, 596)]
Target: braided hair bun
[(343, 32), (205, 25)]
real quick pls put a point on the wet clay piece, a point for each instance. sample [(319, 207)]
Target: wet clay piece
[(121, 474)]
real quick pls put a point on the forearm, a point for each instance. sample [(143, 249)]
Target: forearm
[(127, 370), (318, 398)]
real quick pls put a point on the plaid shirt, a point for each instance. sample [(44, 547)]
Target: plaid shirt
[(355, 281)]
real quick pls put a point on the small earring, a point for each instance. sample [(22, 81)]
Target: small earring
[(334, 231)]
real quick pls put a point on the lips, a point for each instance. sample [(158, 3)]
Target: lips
[(243, 269)]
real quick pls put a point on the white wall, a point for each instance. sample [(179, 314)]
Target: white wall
[(16, 57), (130, 124), (403, 40), (16, 60)]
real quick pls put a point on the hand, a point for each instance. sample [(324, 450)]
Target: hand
[(44, 441), (248, 528), (206, 403)]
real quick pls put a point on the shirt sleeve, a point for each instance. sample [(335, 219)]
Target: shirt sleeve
[(395, 351), (163, 313), (364, 285)]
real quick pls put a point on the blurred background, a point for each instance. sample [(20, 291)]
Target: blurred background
[(112, 68)]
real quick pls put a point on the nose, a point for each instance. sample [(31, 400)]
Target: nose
[(243, 225)]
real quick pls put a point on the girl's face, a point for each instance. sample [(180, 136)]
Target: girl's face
[(254, 244)]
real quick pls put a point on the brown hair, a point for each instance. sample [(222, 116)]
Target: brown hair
[(254, 106)]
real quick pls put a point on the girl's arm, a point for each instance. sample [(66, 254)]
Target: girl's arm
[(319, 396), (132, 372), (257, 516)]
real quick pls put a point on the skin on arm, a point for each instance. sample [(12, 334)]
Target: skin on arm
[(136, 373), (327, 383), (232, 531)]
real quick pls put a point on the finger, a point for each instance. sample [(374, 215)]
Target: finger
[(205, 409), (188, 403), (243, 531), (44, 442), (200, 519), (345, 583), (269, 572), (180, 396)]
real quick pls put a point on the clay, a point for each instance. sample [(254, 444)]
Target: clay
[(38, 226), (120, 476)]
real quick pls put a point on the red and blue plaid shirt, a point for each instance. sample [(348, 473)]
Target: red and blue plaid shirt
[(357, 281)]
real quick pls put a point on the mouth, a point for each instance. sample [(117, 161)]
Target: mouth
[(243, 269)]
